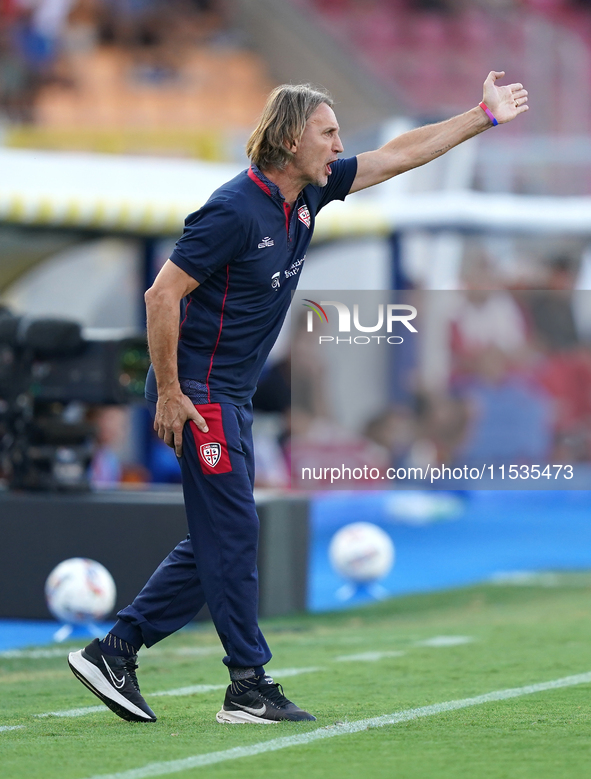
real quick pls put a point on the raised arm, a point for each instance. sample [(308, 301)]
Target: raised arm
[(417, 147), (162, 306)]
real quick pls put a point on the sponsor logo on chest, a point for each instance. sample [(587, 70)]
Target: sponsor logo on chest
[(266, 242), (295, 267)]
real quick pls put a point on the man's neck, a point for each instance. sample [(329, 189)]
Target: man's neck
[(284, 179)]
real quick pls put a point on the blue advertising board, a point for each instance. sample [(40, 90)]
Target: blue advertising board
[(445, 540)]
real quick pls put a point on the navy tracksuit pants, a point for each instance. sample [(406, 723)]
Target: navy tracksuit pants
[(216, 563)]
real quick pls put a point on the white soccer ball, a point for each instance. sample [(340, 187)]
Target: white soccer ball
[(361, 552), (79, 591)]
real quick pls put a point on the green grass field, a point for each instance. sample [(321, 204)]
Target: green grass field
[(518, 636)]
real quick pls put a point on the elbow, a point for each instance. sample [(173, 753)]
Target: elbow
[(149, 301), (154, 301), (148, 296), (154, 297), (160, 302)]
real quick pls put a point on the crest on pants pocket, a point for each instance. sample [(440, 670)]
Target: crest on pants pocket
[(211, 453), (213, 456)]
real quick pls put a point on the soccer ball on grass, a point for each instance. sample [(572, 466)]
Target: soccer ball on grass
[(361, 552), (80, 591)]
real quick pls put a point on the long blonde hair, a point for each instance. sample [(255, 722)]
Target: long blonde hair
[(283, 121)]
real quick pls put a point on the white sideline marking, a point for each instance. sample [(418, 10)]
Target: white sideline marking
[(62, 651), (10, 727), (192, 690), (445, 641), (73, 712), (525, 578), (367, 657), (200, 688), (284, 672), (187, 651), (37, 654), (192, 651), (196, 761)]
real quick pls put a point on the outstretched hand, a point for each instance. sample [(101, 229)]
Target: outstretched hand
[(504, 102)]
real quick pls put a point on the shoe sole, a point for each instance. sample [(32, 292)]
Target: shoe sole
[(92, 678), (242, 718)]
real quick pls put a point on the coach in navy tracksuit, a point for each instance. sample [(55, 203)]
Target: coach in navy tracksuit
[(233, 272)]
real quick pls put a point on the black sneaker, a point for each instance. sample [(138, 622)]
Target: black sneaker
[(113, 680), (265, 704)]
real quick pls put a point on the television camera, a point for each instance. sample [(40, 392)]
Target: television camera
[(52, 371)]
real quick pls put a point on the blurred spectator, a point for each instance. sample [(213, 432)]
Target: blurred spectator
[(316, 440), (565, 368), (302, 371), (143, 28), (274, 391), (17, 82), (441, 426), (271, 460), (49, 18), (319, 443), (164, 466), (510, 418), (486, 319), (396, 431), (30, 38), (552, 309), (110, 467), (82, 32), (308, 373), (38, 33), (271, 430), (566, 376), (111, 426)]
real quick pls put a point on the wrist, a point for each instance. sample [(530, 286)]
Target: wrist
[(489, 113), (169, 389)]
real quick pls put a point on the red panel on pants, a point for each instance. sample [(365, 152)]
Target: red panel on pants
[(212, 447)]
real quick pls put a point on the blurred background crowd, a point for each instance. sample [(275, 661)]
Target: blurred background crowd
[(514, 390), (507, 376), (93, 65), (79, 73)]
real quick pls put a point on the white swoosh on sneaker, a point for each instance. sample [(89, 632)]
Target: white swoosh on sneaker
[(257, 712), (118, 683)]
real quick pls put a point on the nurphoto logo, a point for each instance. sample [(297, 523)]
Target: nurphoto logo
[(394, 312)]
